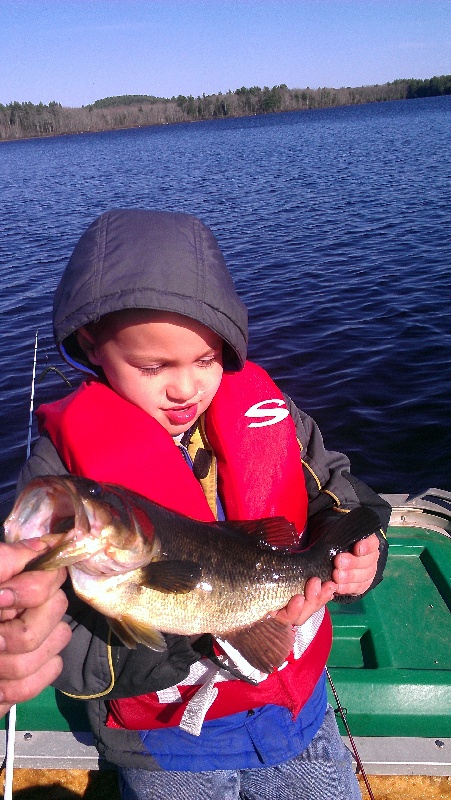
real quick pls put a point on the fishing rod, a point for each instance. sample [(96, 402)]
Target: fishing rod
[(30, 418), (343, 711), (12, 716)]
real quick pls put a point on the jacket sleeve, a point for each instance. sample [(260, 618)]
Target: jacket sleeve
[(95, 663), (331, 488)]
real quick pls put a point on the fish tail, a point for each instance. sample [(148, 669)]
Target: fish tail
[(340, 537)]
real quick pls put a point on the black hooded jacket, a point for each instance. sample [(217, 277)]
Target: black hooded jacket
[(172, 262), (148, 259)]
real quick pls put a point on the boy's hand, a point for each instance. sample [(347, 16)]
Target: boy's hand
[(353, 574), (31, 630), (302, 606)]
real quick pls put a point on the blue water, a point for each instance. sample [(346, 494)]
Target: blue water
[(336, 226)]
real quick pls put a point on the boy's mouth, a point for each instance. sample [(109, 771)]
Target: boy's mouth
[(181, 416)]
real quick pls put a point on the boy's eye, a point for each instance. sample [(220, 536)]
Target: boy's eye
[(207, 362), (155, 369), (151, 370)]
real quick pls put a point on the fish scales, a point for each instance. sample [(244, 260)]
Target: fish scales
[(227, 595), (235, 587)]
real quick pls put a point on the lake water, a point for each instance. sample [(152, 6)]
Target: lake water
[(336, 225)]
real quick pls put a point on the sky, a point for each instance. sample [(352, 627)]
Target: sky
[(79, 51)]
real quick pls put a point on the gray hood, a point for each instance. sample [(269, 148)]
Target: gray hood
[(148, 259)]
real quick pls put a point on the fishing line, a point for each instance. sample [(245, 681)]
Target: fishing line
[(51, 368), (11, 734), (360, 767)]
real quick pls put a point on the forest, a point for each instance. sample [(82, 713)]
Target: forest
[(27, 120)]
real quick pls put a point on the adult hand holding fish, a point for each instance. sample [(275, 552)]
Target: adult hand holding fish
[(32, 633)]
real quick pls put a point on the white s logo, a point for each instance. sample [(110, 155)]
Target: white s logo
[(274, 414)]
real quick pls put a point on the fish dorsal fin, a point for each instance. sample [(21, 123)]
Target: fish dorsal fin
[(131, 633), (171, 577), (265, 644), (270, 531)]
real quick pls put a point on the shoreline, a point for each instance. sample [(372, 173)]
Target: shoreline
[(114, 128)]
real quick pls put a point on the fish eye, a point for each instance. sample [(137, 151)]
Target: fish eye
[(95, 490)]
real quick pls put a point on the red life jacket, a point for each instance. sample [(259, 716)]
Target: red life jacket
[(100, 435)]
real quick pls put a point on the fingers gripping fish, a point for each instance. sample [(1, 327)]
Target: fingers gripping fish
[(151, 570)]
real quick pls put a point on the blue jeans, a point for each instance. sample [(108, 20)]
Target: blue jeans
[(322, 772)]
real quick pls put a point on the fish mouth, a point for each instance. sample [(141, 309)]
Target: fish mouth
[(54, 512), (71, 515), (46, 508)]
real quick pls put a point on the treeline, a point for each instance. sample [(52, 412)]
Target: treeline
[(126, 100), (24, 120)]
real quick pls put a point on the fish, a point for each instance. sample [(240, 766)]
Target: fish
[(152, 571)]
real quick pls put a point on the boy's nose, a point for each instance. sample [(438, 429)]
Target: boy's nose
[(183, 387)]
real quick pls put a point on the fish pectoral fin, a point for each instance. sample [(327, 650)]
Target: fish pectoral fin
[(171, 577), (122, 633), (265, 644), (131, 633), (269, 532)]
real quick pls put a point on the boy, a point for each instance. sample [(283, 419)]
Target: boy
[(147, 307)]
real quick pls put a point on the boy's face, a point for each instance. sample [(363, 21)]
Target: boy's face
[(162, 362)]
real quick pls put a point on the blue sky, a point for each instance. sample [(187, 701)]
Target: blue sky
[(78, 51)]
